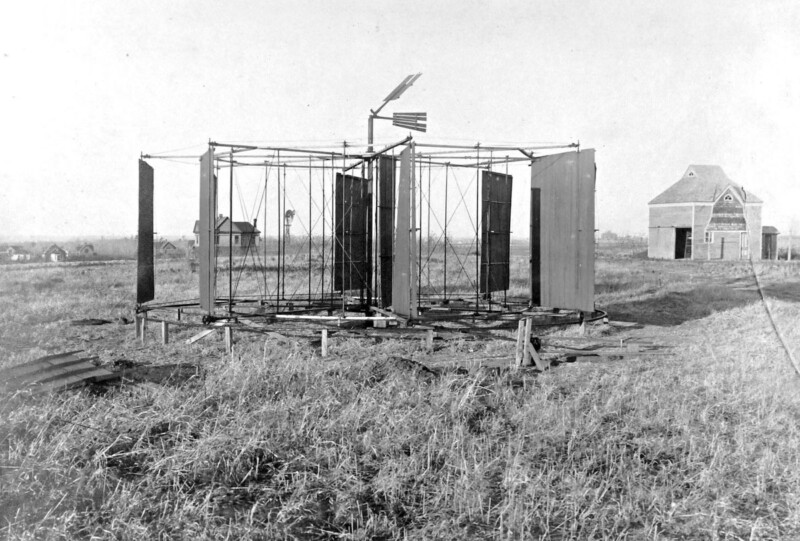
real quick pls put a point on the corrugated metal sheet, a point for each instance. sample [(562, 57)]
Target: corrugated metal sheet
[(145, 275), (53, 373), (386, 196), (206, 251), (351, 219), (495, 231), (566, 235), (404, 283)]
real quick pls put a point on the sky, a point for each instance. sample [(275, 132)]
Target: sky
[(652, 86)]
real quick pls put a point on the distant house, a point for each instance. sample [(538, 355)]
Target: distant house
[(769, 242), (54, 253), (166, 247), (21, 255), (705, 215), (84, 250), (242, 234), (14, 249)]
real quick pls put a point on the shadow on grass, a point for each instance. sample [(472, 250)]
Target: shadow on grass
[(676, 307)]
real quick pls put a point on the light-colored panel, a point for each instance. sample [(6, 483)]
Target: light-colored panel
[(661, 244), (206, 250), (404, 264), (567, 184)]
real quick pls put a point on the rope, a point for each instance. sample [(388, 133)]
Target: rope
[(788, 351)]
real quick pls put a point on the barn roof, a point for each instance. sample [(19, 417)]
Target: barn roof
[(701, 184)]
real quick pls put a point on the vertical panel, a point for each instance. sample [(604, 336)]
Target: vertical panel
[(145, 279), (206, 230), (401, 273), (536, 251), (495, 231), (351, 215), (566, 237), (386, 194)]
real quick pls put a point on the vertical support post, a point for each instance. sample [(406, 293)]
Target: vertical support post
[(228, 339), (283, 249), (230, 238), (264, 237), (526, 345), (180, 313), (143, 329), (477, 227), (324, 345), (518, 358), (446, 219), (582, 324), (279, 217), (164, 332), (137, 329), (324, 206), (429, 339)]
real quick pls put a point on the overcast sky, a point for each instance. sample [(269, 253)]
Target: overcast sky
[(652, 86)]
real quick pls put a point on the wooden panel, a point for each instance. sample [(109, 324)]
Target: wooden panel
[(661, 243), (566, 238), (386, 196), (496, 191), (351, 215), (536, 248), (403, 273), (206, 250), (145, 274)]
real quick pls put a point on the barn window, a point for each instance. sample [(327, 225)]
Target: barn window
[(691, 173), (236, 239), (709, 238), (728, 198)]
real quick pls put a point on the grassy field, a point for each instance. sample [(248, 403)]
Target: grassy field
[(274, 442)]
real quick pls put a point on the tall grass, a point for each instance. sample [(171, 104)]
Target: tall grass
[(274, 442)]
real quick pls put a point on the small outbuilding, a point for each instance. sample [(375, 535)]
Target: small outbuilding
[(54, 253), (705, 215), (769, 242)]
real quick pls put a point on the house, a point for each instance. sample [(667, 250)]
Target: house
[(14, 249), (166, 247), (20, 254), (705, 215), (54, 253), (769, 242), (244, 234), (84, 250)]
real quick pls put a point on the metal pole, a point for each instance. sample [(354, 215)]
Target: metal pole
[(309, 230), (370, 122), (477, 228), (322, 288), (446, 218), (278, 261), (283, 249), (230, 240), (344, 182), (428, 241), (419, 252), (266, 179)]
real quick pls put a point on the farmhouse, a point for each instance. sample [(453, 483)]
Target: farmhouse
[(20, 254), (55, 253), (166, 247), (84, 250), (245, 234), (705, 215)]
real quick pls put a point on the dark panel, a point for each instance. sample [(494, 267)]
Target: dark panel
[(727, 215), (386, 195), (536, 249), (351, 218), (495, 231), (206, 250), (145, 279)]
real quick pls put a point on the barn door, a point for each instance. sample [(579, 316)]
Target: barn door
[(352, 218)]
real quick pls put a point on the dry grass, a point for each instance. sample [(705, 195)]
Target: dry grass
[(275, 442)]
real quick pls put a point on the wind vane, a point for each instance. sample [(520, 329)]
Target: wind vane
[(410, 121)]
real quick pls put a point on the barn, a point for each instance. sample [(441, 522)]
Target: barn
[(705, 215)]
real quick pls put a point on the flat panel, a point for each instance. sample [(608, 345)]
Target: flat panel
[(207, 259), (536, 248), (495, 231), (727, 215), (401, 274), (386, 197), (351, 218), (145, 274), (661, 243), (566, 239)]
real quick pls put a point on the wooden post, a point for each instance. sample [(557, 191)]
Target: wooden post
[(228, 339), (164, 332), (180, 311), (520, 334), (137, 329), (143, 323), (324, 342), (526, 344), (582, 325), (429, 339)]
